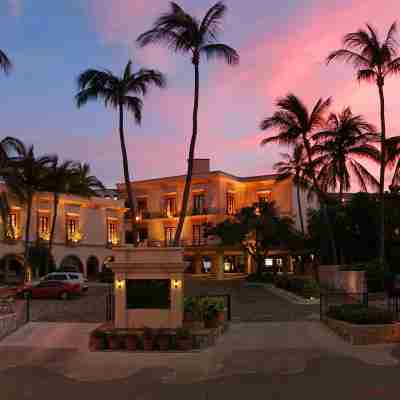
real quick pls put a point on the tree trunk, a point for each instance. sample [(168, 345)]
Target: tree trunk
[(382, 176), (27, 229), (300, 210), (322, 202), (186, 192), (131, 201)]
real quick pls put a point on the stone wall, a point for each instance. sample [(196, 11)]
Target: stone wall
[(8, 324), (365, 334), (331, 277)]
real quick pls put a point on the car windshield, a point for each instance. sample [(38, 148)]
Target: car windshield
[(73, 276), (59, 277)]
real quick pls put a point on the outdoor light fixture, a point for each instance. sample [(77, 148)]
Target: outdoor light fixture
[(312, 257), (176, 284), (119, 284), (137, 218)]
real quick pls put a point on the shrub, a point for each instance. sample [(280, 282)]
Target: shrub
[(360, 314), (303, 286), (183, 333), (194, 306), (266, 277)]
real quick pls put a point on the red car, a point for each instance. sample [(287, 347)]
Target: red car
[(50, 289)]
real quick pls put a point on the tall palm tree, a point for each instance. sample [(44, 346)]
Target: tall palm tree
[(347, 139), (83, 183), (58, 181), (184, 33), (374, 60), (296, 124), (25, 175), (121, 93), (294, 166), (5, 62), (392, 160)]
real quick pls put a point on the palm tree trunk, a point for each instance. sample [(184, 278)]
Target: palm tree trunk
[(56, 200), (131, 202), (382, 177), (27, 229), (322, 201), (300, 210), (186, 191)]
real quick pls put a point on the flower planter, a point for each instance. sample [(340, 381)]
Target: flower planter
[(212, 323), (193, 324), (131, 342), (163, 343), (147, 344), (184, 344), (221, 317), (114, 342)]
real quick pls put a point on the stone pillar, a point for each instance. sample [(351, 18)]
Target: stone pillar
[(290, 264), (248, 263), (198, 264), (120, 301), (218, 265)]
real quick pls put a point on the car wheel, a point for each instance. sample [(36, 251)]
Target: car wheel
[(64, 296), (27, 294)]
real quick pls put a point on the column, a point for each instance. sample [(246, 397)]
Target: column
[(218, 265), (198, 264), (247, 258)]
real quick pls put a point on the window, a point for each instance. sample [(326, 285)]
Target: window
[(230, 203), (169, 235), (112, 232), (170, 206), (198, 203), (13, 231), (142, 208), (264, 197), (198, 235), (73, 234), (44, 226), (143, 234)]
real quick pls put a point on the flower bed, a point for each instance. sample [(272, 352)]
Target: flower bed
[(362, 325)]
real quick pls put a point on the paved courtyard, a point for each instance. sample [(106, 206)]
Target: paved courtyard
[(284, 353)]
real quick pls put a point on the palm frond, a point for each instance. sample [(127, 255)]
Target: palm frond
[(135, 106), (221, 51), (5, 62), (364, 177), (350, 57), (211, 24), (367, 75)]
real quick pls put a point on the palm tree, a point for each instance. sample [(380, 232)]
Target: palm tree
[(25, 175), (293, 166), (9, 146), (374, 60), (184, 33), (58, 181), (5, 63), (392, 160), (338, 149), (83, 183), (295, 124), (121, 93)]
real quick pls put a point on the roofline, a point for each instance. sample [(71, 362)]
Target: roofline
[(217, 172)]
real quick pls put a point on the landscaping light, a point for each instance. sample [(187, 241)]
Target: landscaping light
[(119, 284), (176, 284)]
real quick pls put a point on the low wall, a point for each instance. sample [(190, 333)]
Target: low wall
[(365, 334), (330, 276), (8, 324)]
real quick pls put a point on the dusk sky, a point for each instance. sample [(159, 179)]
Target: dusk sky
[(282, 44)]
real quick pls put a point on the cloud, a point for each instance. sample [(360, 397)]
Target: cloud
[(15, 7)]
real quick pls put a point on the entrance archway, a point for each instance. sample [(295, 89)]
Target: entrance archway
[(12, 269), (92, 267), (72, 263)]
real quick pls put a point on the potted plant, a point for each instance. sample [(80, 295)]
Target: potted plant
[(131, 341), (163, 339), (148, 339), (193, 313), (184, 340), (214, 313), (113, 341), (97, 340)]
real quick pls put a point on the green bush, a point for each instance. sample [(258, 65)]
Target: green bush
[(360, 314), (302, 285)]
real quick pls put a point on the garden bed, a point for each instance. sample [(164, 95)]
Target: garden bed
[(362, 325)]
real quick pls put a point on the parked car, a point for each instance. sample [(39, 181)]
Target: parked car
[(50, 289), (72, 277)]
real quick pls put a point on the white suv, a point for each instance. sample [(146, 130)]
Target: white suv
[(73, 277)]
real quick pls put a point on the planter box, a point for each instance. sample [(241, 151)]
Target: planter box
[(365, 334)]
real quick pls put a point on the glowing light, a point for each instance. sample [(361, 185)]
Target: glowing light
[(119, 284), (176, 284)]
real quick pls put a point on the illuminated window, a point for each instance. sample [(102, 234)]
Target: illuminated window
[(169, 235), (13, 229), (269, 262), (264, 197), (198, 203), (230, 203), (112, 232), (170, 206), (198, 235), (44, 226), (72, 227)]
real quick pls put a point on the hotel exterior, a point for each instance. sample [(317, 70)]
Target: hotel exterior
[(86, 231), (214, 197)]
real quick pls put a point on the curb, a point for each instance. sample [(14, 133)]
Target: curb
[(293, 298)]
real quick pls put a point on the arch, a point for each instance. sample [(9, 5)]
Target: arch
[(72, 263), (12, 269), (92, 267)]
